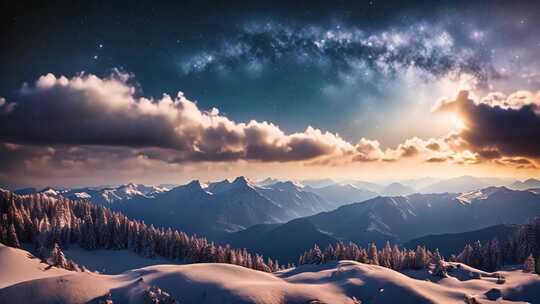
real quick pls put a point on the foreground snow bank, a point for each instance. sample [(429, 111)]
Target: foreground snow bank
[(17, 265), (339, 282), (110, 261)]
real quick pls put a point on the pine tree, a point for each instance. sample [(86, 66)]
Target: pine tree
[(58, 258), (48, 222), (316, 256), (373, 254), (420, 256), (529, 264), (440, 269), (12, 239)]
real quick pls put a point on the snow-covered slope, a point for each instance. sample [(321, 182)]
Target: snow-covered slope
[(338, 282), (399, 219), (110, 261), (17, 265)]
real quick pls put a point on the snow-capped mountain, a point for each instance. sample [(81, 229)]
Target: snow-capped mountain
[(100, 195), (267, 182), (530, 183), (293, 198), (224, 206), (403, 218)]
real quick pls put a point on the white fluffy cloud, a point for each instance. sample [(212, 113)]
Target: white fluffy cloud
[(87, 123), (88, 110)]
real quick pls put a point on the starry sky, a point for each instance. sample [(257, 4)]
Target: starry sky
[(89, 92)]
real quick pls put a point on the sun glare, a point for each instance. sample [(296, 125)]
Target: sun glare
[(458, 122)]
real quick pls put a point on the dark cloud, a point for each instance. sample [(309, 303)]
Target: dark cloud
[(437, 159), (495, 127), (519, 163), (409, 151), (433, 146), (88, 110)]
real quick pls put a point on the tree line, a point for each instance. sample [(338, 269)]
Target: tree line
[(389, 256), (520, 248), (45, 221)]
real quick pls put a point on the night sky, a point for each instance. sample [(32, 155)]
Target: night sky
[(382, 77)]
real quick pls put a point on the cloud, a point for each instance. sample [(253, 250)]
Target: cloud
[(68, 127), (88, 110), (437, 159), (368, 150), (518, 162), (498, 125)]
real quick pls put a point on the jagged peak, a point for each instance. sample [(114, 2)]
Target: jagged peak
[(128, 185), (243, 181), (194, 184), (49, 191)]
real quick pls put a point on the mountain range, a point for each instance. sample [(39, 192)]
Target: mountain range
[(530, 183), (100, 195), (224, 206), (397, 220), (463, 184)]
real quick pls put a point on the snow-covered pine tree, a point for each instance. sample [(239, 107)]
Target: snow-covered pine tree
[(396, 258), (420, 257), (11, 237), (45, 221), (373, 254), (529, 264), (316, 256), (57, 257)]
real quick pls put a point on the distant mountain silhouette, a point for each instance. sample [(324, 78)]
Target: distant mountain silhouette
[(453, 243)]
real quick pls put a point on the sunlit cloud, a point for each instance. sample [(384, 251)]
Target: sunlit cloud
[(61, 125)]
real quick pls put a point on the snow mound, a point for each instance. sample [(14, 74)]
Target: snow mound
[(17, 265), (338, 282), (110, 261)]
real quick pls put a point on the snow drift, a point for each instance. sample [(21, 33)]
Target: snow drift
[(24, 280)]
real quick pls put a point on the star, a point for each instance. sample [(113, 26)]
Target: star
[(95, 57), (100, 46)]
